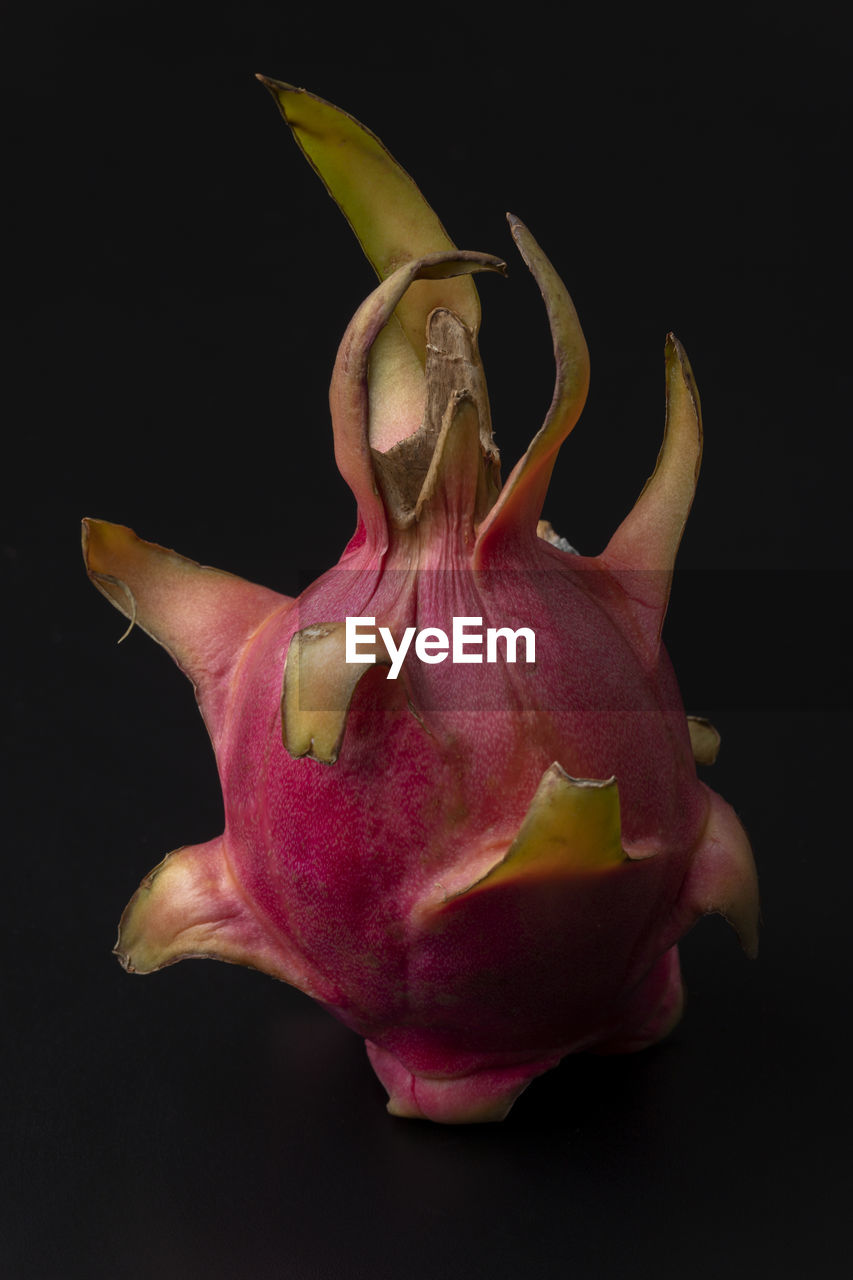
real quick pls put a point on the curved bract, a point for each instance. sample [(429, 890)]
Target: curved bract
[(481, 851)]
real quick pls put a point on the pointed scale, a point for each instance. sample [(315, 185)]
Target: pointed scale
[(389, 215), (520, 503), (722, 876), (641, 554), (394, 225), (202, 617), (572, 825), (190, 906), (318, 688), (704, 739)]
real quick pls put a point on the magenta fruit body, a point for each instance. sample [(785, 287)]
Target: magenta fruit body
[(478, 867)]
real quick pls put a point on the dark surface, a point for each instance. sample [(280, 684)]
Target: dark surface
[(184, 284)]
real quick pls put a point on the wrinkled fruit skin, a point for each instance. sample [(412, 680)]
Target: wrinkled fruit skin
[(477, 867)]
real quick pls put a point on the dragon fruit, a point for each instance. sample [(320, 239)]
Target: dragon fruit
[(461, 802)]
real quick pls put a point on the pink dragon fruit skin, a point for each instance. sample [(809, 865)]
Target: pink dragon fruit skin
[(478, 867)]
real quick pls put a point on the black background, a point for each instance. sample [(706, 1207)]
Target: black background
[(179, 284)]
